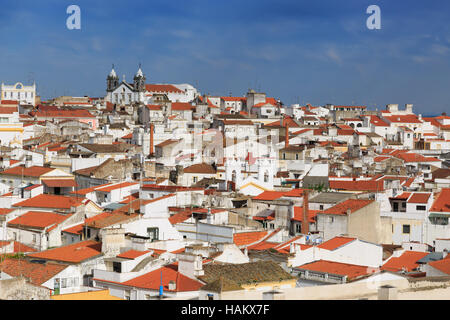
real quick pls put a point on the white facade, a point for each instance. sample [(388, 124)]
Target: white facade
[(19, 92)]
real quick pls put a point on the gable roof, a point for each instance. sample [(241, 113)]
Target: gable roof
[(335, 243), (166, 274), (73, 253), (442, 202), (352, 271), (200, 168), (37, 273), (441, 265), (350, 204), (38, 220), (50, 201), (246, 238), (407, 261), (34, 171)]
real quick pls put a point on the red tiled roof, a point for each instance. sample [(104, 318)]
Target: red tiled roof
[(110, 188), (350, 204), (441, 265), (36, 273), (263, 245), (335, 243), (246, 238), (5, 211), (419, 198), (22, 248), (162, 88), (202, 168), (7, 110), (182, 106), (362, 185), (152, 280), (33, 171), (413, 157), (408, 261), (38, 220), (410, 118), (78, 229), (298, 214), (269, 195), (59, 182), (73, 253), (342, 269), (132, 254), (442, 202), (61, 113), (50, 201)]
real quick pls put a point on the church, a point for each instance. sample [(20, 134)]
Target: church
[(138, 92)]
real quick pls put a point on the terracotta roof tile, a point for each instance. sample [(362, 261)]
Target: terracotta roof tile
[(73, 253), (37, 273), (246, 238), (38, 220), (50, 201), (132, 254), (442, 202), (342, 269), (350, 204), (407, 261), (335, 243)]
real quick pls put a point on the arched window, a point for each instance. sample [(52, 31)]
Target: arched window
[(266, 176), (352, 125), (359, 125)]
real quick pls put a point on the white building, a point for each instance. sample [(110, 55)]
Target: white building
[(19, 92)]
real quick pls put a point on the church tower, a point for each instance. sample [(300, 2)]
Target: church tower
[(112, 81), (139, 81)]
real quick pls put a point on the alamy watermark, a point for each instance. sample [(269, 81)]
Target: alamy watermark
[(73, 22), (374, 21)]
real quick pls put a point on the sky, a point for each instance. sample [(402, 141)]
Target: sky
[(299, 51)]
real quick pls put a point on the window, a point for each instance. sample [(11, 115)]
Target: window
[(117, 267), (14, 236), (127, 295), (63, 283), (34, 238), (421, 208), (321, 207), (284, 156), (406, 229), (153, 233), (296, 156), (194, 179), (272, 226), (298, 228)]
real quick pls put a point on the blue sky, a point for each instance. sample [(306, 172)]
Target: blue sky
[(314, 52)]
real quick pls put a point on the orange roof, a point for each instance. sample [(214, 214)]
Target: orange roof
[(298, 214), (5, 211), (182, 106), (61, 113), (263, 245), (246, 238), (335, 243), (350, 204), (294, 193), (419, 198), (200, 168), (38, 220), (409, 118), (33, 171), (37, 273), (362, 185), (78, 229), (442, 202), (342, 269), (152, 280), (132, 254), (413, 157), (50, 201), (162, 88), (59, 182), (408, 261), (269, 195), (441, 265), (110, 188), (73, 253)]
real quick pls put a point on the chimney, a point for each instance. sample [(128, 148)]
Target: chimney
[(286, 145), (28, 161), (305, 223), (152, 127)]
